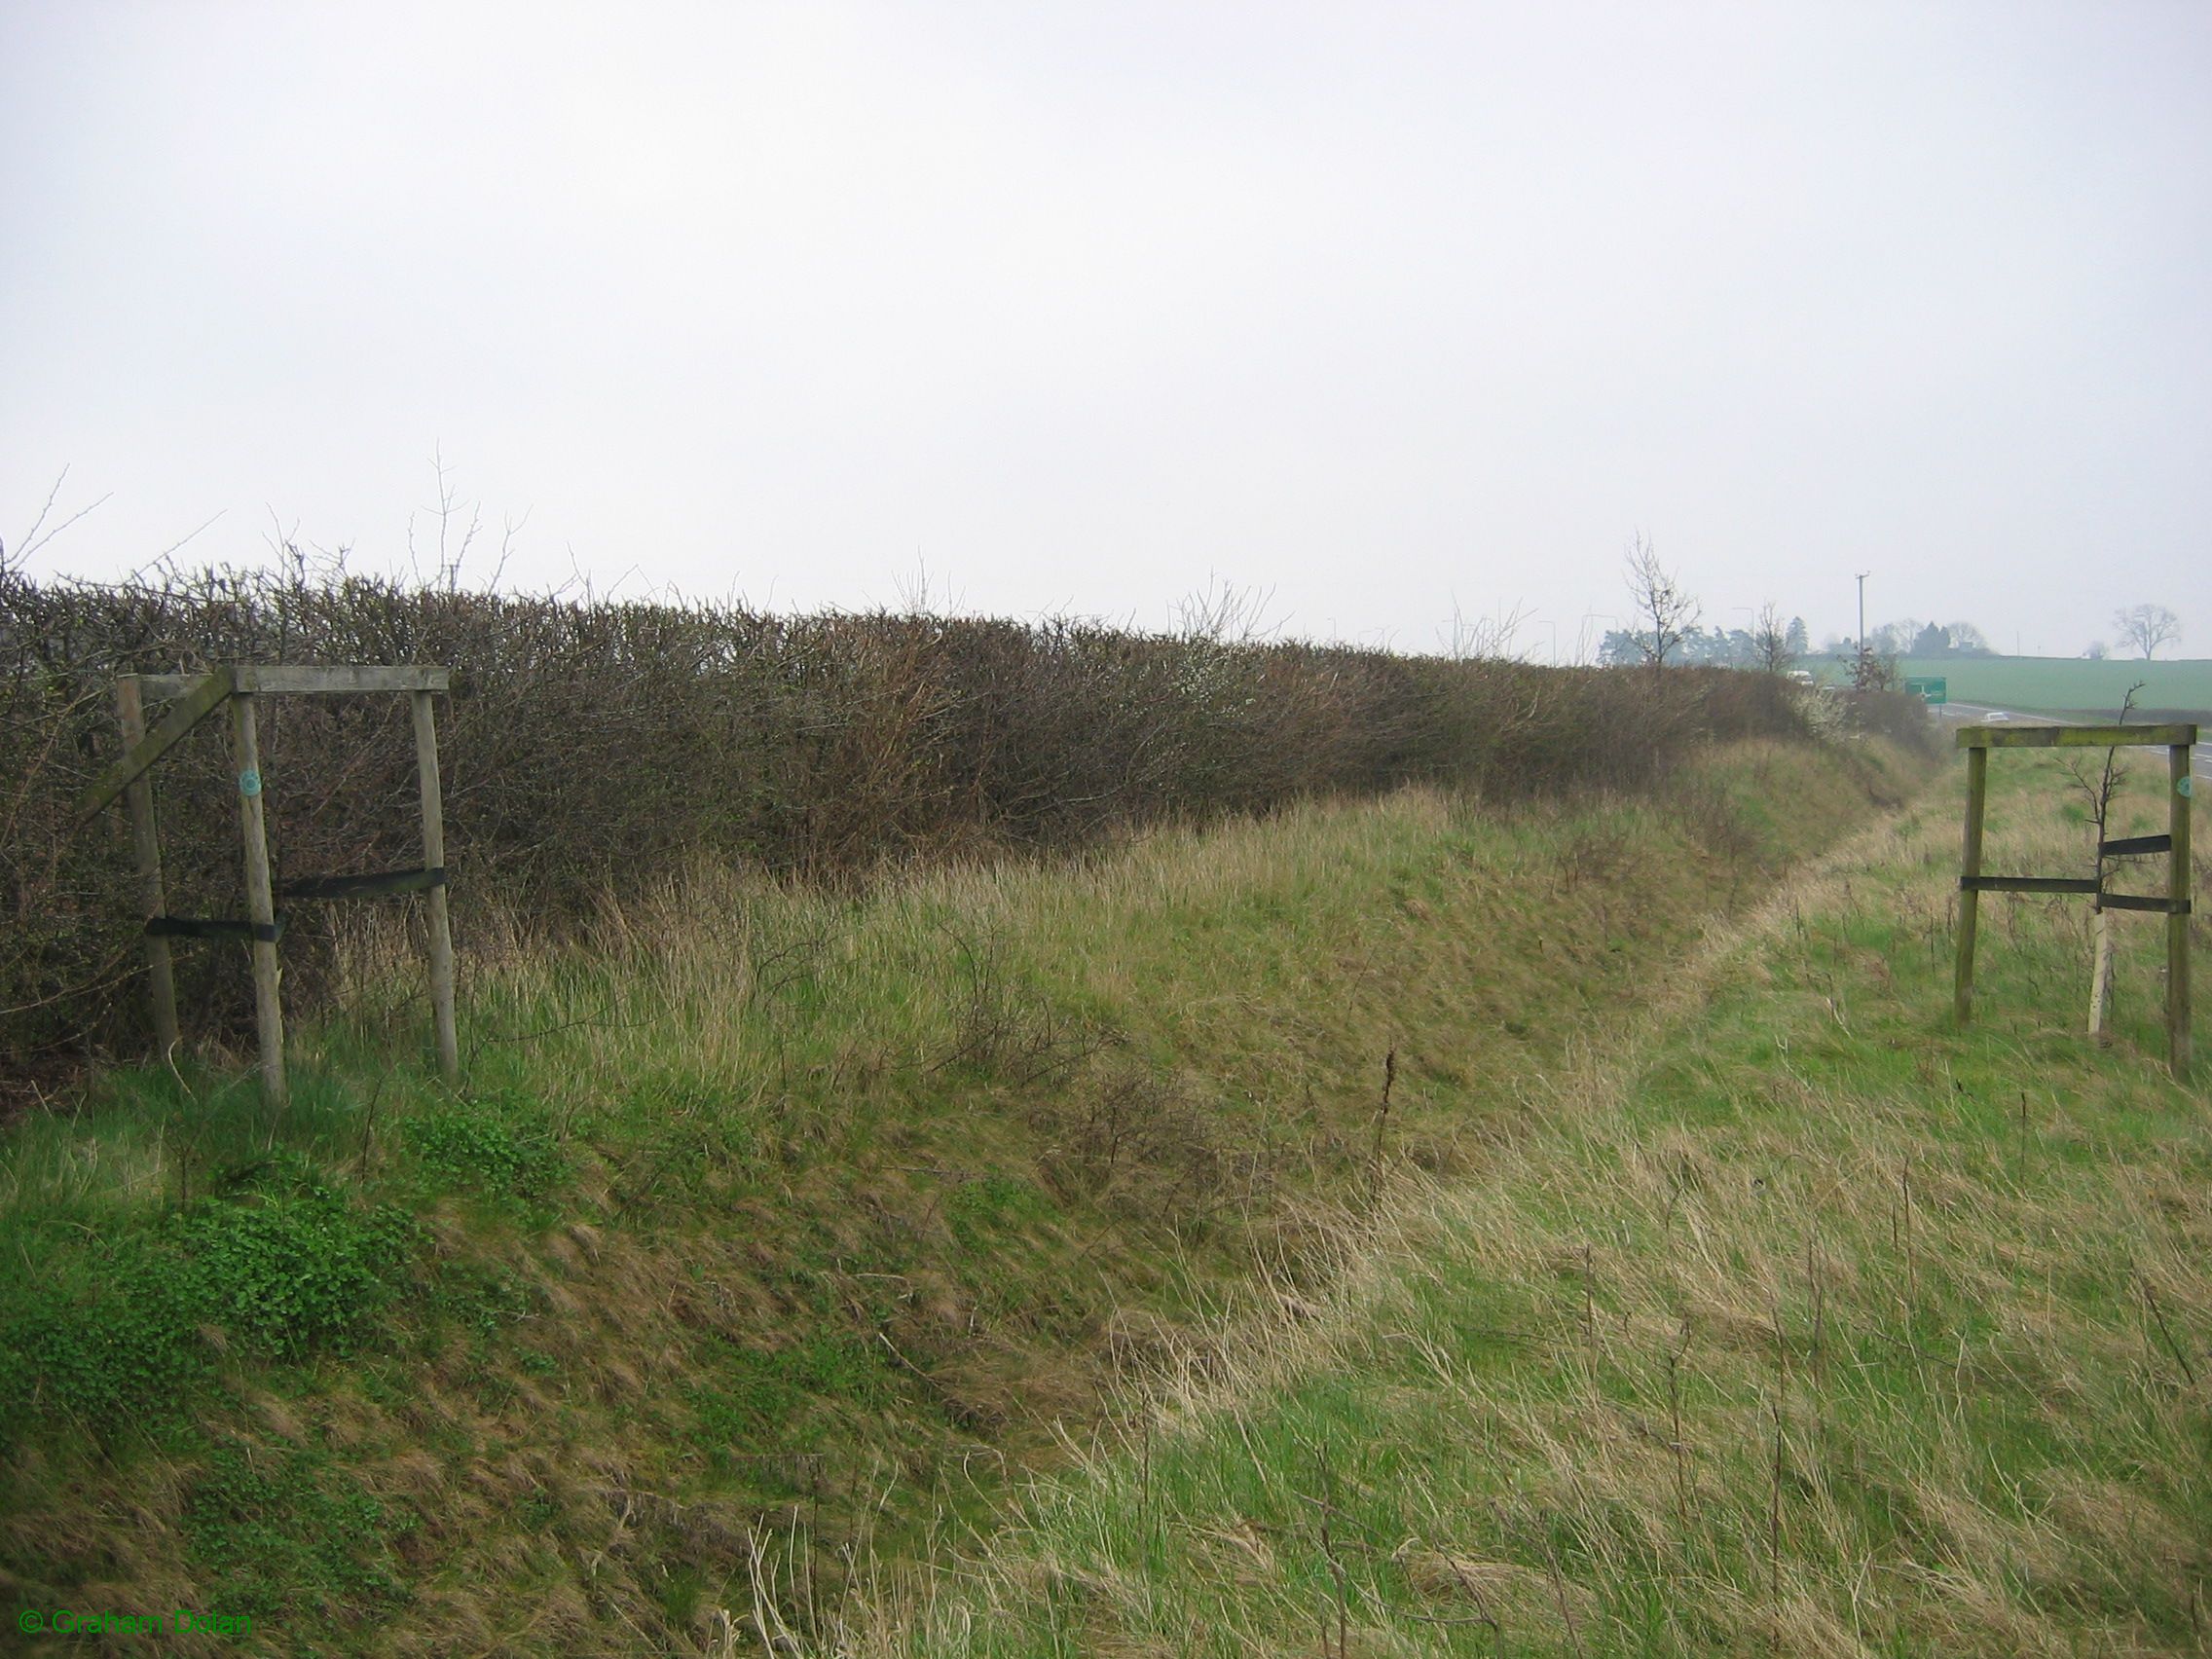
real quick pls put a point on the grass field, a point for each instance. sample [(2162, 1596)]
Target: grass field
[(2072, 686), (783, 1225), (1799, 1322)]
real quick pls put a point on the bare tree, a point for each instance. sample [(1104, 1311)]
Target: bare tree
[(1875, 669), (2100, 796), (1481, 639), (1770, 641), (1896, 639), (38, 536), (2146, 627), (1666, 607), (1225, 614)]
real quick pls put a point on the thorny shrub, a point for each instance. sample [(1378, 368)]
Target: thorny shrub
[(589, 745)]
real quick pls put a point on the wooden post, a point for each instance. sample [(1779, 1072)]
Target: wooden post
[(146, 846), (260, 899), (2100, 918), (2178, 809), (1969, 864), (434, 858), (2101, 974)]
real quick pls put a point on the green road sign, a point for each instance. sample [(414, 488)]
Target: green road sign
[(1932, 688)]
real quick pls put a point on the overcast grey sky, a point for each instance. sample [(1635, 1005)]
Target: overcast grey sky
[(1379, 308)]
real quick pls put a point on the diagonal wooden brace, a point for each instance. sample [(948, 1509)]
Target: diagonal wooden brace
[(211, 693)]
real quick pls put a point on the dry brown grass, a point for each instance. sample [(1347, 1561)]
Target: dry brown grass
[(1759, 1332), (591, 745), (941, 1175)]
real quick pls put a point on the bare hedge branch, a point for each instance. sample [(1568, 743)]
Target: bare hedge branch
[(592, 744)]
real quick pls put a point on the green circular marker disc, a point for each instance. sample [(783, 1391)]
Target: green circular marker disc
[(249, 784), (2185, 788)]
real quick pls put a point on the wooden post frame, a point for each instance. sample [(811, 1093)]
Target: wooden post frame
[(2178, 741), (195, 697)]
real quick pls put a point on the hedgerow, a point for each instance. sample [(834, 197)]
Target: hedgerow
[(590, 745)]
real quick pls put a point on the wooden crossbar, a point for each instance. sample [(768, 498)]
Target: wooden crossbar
[(280, 680), (2075, 736)]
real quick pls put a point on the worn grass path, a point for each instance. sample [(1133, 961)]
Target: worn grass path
[(1796, 1321)]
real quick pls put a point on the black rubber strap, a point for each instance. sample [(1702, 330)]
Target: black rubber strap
[(205, 926), (2129, 846), (2027, 884), (363, 886)]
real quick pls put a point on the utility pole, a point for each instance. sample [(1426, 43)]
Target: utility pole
[(1859, 669)]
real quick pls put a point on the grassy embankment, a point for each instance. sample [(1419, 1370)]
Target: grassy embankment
[(788, 1223), (1801, 1324), (2074, 685)]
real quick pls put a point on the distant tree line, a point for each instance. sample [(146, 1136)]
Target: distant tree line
[(2143, 629), (1909, 637), (1710, 647), (1666, 633)]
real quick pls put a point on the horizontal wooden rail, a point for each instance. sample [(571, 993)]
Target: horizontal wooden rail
[(2076, 736), (279, 680)]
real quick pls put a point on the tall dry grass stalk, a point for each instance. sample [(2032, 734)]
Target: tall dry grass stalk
[(1874, 1379)]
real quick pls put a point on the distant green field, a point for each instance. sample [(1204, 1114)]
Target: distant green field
[(2064, 684)]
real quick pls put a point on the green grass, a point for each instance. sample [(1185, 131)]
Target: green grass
[(1800, 1322), (2072, 685), (778, 1222)]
